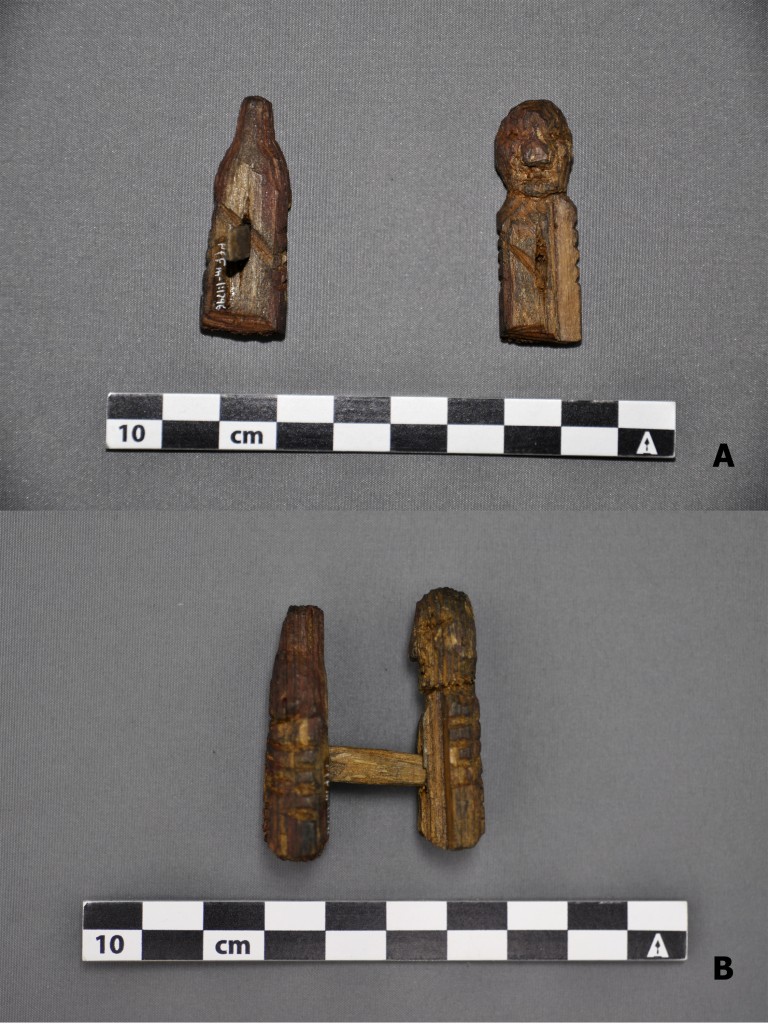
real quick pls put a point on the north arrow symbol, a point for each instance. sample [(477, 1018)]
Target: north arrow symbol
[(646, 446), (658, 949)]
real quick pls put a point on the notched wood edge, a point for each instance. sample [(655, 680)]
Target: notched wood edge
[(240, 326)]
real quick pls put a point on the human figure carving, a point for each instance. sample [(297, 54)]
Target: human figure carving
[(539, 297)]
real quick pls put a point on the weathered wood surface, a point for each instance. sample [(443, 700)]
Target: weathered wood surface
[(539, 297), (245, 282), (451, 811), (446, 768), (364, 766), (297, 761)]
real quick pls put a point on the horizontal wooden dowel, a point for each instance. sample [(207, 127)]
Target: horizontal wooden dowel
[(376, 767)]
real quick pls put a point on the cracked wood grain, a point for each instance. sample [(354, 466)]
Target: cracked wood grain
[(297, 759), (363, 766), (451, 809)]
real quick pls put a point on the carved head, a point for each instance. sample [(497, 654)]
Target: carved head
[(443, 640), (534, 149)]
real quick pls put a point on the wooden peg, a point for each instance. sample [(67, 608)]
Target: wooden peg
[(539, 298), (446, 768), (376, 767), (245, 282)]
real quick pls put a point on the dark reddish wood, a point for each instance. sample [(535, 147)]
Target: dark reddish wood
[(246, 272), (297, 762), (540, 297), (451, 809)]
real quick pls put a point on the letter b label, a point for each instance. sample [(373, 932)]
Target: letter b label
[(723, 969)]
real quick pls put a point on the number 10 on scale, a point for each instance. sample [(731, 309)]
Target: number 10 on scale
[(110, 945), (134, 433)]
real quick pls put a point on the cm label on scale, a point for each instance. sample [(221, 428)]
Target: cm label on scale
[(133, 945)]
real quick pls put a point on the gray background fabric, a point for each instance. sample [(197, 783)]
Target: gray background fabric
[(621, 677), (114, 119)]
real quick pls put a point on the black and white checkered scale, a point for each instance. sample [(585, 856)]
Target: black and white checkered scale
[(443, 930), (448, 426)]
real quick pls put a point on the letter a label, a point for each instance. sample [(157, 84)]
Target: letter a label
[(658, 949), (646, 446)]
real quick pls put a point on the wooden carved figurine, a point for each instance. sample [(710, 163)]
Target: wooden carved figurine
[(245, 282), (539, 299), (446, 768)]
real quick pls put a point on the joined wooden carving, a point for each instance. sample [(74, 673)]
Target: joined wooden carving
[(246, 272), (446, 768), (539, 297)]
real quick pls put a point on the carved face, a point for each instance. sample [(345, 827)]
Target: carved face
[(534, 149)]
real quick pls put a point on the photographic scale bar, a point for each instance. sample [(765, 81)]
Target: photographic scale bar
[(391, 930), (443, 426)]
